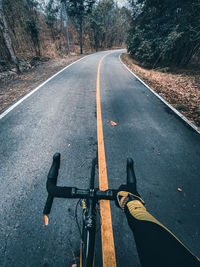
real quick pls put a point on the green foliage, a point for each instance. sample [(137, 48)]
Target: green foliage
[(107, 21), (165, 32), (78, 10), (31, 26), (51, 12), (32, 23)]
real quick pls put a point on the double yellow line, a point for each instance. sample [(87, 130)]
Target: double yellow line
[(108, 249)]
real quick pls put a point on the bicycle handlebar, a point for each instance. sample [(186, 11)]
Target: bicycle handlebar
[(73, 192), (51, 181)]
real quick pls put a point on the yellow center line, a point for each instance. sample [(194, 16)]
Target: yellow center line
[(108, 248)]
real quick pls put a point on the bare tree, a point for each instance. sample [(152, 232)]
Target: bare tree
[(65, 24), (6, 35)]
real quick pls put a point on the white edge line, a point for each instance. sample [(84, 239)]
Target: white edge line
[(164, 101), (36, 89)]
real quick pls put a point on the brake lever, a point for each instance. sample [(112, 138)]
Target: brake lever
[(53, 175)]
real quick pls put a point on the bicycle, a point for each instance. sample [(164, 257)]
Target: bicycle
[(90, 198)]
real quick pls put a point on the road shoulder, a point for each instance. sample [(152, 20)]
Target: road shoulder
[(179, 90), (19, 85)]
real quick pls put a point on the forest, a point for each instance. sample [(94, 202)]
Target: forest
[(156, 32), (165, 32), (34, 29)]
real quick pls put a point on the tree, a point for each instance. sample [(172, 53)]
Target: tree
[(77, 11), (165, 32), (106, 22), (51, 12), (7, 39), (65, 23), (32, 23)]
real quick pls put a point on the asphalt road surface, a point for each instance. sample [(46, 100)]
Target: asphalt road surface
[(61, 116)]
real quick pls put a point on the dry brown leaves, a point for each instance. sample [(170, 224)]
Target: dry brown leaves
[(181, 90), (112, 123)]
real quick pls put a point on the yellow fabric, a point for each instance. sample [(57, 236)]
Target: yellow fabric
[(139, 212), (125, 194)]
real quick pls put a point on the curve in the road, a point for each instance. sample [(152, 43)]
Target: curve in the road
[(4, 113), (163, 100), (108, 248)]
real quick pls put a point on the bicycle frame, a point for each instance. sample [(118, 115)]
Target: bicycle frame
[(90, 199), (87, 250)]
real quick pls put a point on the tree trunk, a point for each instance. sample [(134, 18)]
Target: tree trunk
[(65, 23), (36, 44), (81, 37), (7, 39)]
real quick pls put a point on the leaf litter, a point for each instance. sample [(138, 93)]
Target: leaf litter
[(179, 87), (112, 123)]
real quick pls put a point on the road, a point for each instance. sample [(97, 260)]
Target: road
[(62, 116)]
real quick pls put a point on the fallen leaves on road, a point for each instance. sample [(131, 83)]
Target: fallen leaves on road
[(179, 189), (62, 158), (112, 123), (82, 164)]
